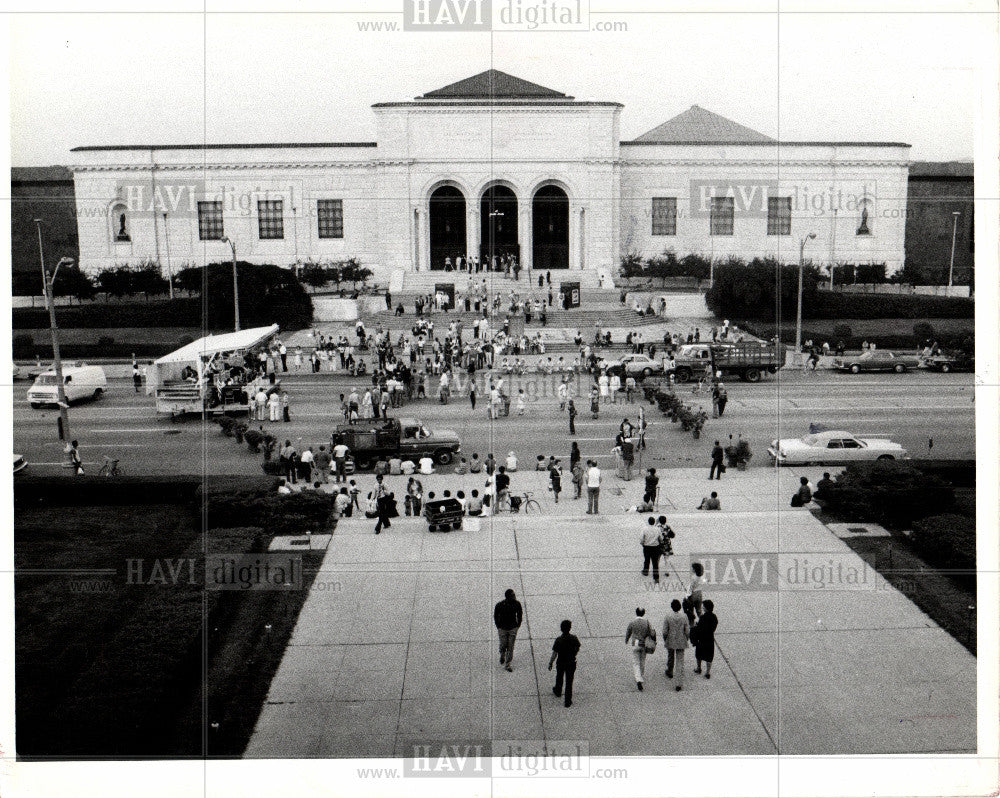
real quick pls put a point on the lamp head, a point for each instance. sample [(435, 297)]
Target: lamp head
[(811, 236)]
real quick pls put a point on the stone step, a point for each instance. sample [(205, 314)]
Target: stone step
[(423, 282)]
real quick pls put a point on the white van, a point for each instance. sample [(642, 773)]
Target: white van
[(79, 382)]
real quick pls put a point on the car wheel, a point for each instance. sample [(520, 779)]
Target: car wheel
[(899, 368), (36, 406), (752, 375), (855, 369), (682, 375), (647, 372), (98, 392), (945, 368), (886, 457), (443, 456), (362, 464)]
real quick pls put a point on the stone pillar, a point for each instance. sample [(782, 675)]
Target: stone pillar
[(472, 227), (524, 233)]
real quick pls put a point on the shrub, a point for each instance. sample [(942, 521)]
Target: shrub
[(762, 289), (851, 305), (253, 437), (923, 331), (842, 331), (891, 493), (946, 541), (276, 514)]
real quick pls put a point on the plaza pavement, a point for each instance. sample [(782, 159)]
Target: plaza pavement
[(395, 645)]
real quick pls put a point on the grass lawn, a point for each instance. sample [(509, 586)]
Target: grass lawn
[(134, 669)]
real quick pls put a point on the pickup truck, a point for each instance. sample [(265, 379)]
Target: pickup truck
[(748, 360), (405, 438)]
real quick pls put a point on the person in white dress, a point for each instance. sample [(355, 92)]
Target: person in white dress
[(274, 406), (366, 406), (615, 385), (602, 384)]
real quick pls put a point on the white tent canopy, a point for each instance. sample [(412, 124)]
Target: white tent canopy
[(211, 345)]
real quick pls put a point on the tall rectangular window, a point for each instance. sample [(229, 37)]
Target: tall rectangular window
[(210, 221), (270, 219), (664, 216), (779, 216), (330, 218), (721, 217)]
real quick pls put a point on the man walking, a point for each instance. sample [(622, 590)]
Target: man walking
[(675, 637), (718, 455), (340, 451), (507, 616), (593, 487), (650, 541), (381, 505), (136, 375), (564, 651)]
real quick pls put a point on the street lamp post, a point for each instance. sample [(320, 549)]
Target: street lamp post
[(954, 232), (236, 287), (798, 307), (166, 241), (47, 281), (41, 257)]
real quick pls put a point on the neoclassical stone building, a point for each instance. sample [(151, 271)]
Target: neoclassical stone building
[(489, 165)]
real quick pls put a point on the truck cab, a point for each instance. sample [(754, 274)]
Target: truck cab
[(406, 438)]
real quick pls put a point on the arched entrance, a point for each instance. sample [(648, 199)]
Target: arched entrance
[(550, 229), (447, 225), (498, 223)]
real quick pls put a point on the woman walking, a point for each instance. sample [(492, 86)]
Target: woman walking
[(555, 478), (574, 455), (472, 393), (697, 583), (595, 403), (571, 408), (704, 636), (640, 637)]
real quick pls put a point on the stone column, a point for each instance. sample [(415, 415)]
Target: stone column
[(524, 233), (472, 227)]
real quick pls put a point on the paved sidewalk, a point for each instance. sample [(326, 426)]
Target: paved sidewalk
[(395, 645)]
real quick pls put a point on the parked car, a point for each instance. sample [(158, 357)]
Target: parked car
[(879, 360), (79, 382), (637, 366), (835, 447), (19, 463), (959, 361)]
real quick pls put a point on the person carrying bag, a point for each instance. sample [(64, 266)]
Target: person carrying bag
[(640, 637)]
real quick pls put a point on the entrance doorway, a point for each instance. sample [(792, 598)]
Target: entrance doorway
[(498, 215), (550, 229), (447, 225)]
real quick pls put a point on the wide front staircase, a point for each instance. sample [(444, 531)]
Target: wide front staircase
[(424, 282)]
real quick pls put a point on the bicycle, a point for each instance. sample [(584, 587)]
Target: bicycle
[(505, 505), (110, 468)]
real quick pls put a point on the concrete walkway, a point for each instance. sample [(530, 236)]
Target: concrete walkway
[(395, 645)]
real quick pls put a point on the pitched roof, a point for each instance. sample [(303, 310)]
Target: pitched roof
[(697, 126), (493, 84)]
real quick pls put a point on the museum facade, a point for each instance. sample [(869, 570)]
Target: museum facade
[(490, 166)]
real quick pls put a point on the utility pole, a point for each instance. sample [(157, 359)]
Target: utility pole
[(47, 282), (798, 309), (236, 287), (954, 231)]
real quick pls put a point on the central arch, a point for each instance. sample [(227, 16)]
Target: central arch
[(447, 225), (550, 228), (498, 223)]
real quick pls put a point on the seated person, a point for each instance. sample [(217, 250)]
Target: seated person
[(408, 467), (476, 466), (461, 499), (395, 466), (475, 504), (710, 502), (646, 505), (540, 463), (283, 487), (511, 462), (462, 467), (426, 465), (823, 486), (803, 495), (502, 483), (342, 504)]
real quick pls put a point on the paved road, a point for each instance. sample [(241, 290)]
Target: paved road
[(912, 408)]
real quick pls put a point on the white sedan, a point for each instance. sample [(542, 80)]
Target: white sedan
[(833, 446)]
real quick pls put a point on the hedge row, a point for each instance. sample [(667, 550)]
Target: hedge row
[(848, 305), (91, 489), (891, 493), (185, 312)]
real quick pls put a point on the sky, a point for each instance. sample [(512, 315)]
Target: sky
[(167, 78)]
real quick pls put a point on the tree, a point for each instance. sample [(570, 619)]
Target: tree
[(71, 281), (762, 289), (147, 279), (268, 295), (116, 282)]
